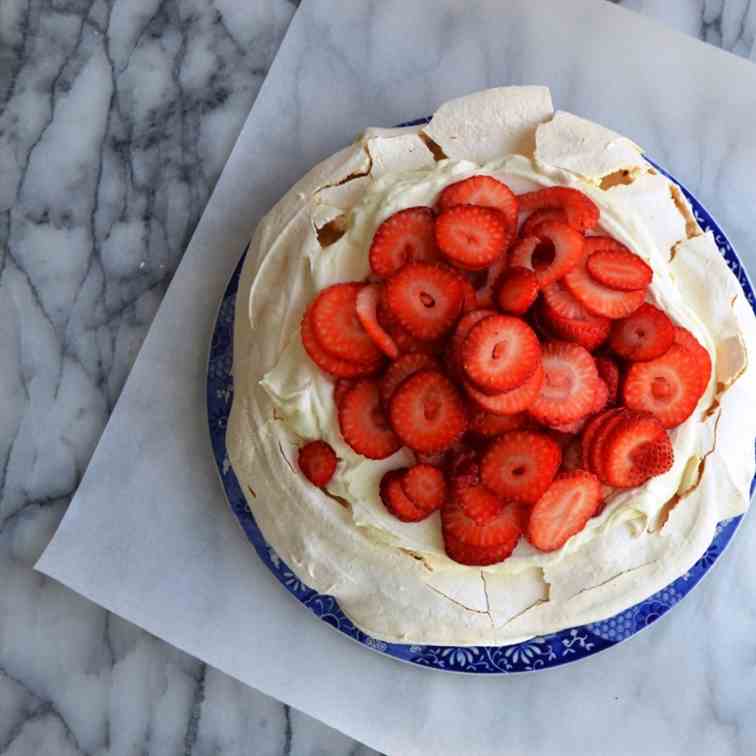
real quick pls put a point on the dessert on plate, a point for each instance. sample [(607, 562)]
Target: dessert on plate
[(492, 379)]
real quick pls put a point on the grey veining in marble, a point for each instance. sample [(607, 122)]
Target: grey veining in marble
[(116, 118)]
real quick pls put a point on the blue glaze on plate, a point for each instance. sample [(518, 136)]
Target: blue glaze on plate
[(534, 654)]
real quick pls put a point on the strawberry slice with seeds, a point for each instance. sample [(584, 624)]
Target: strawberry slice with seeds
[(688, 341), (644, 335), (586, 329), (425, 299), (508, 402), (559, 301), (405, 341), (484, 191), (406, 236), (403, 368), (636, 449), (473, 237), (485, 295), (668, 386), (601, 396), (516, 290), (337, 327), (317, 461), (462, 468), (590, 431), (488, 425), (363, 423), (600, 299), (368, 299), (463, 328), (617, 267), (500, 353), (491, 538), (425, 485), (427, 412), (563, 510), (581, 211), (609, 373), (539, 216), (569, 384), (327, 362), (341, 389), (520, 465), (557, 250), (596, 453), (396, 500)]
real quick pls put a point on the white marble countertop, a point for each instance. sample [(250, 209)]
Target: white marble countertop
[(93, 222)]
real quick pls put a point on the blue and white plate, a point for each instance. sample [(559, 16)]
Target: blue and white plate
[(538, 653)]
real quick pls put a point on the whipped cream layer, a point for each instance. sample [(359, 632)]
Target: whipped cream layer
[(392, 578)]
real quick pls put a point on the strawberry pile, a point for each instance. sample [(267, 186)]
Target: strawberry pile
[(513, 350)]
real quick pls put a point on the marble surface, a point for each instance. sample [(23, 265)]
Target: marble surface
[(115, 121)]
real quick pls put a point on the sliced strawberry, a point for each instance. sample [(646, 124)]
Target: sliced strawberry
[(539, 216), (464, 326), (668, 387), (396, 500), (473, 237), (317, 461), (340, 390), (636, 449), (516, 290), (581, 211), (484, 191), (600, 397), (586, 329), (520, 465), (569, 384), (327, 362), (558, 249), (427, 412), (406, 236), (508, 402), (609, 373), (686, 339), (363, 423), (595, 460), (571, 428), (425, 485), (564, 509), (462, 468), (405, 341), (617, 267), (489, 425), (500, 353), (559, 301), (644, 335), (403, 368), (485, 295), (367, 312), (572, 458), (591, 429), (469, 296), (337, 327), (489, 540), (425, 299), (596, 297)]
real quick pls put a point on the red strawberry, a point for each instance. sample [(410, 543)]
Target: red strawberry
[(489, 425), (564, 509), (668, 386), (591, 429), (539, 216), (581, 211), (340, 390), (517, 289), (644, 335), (596, 297), (473, 237), (363, 424), (508, 402), (326, 361), (609, 373), (462, 468), (460, 334), (500, 353), (559, 301), (425, 485), (520, 465), (484, 191), (405, 341), (337, 327), (615, 266), (469, 296), (686, 339), (425, 299), (404, 237), (479, 543), (484, 296), (396, 500), (317, 461), (404, 367), (478, 503), (572, 458), (427, 412), (595, 458), (557, 249), (637, 449), (367, 312), (569, 384), (586, 329)]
